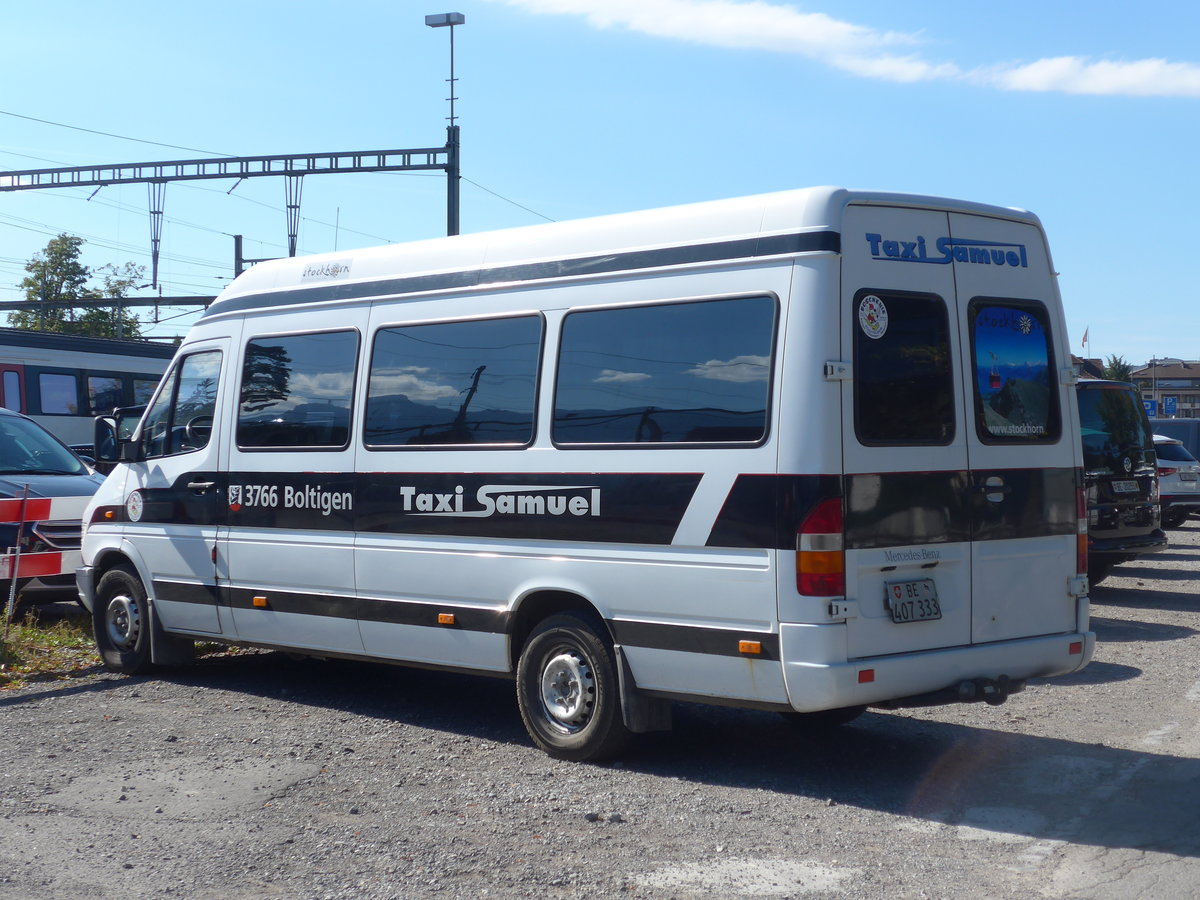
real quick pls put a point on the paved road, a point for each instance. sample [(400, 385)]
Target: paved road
[(257, 776)]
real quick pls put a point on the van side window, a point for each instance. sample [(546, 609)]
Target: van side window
[(903, 379), (466, 383), (1016, 387), (682, 373), (297, 391), (181, 418)]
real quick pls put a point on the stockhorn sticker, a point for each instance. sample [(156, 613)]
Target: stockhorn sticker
[(872, 317)]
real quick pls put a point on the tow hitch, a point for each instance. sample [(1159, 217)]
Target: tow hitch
[(977, 690)]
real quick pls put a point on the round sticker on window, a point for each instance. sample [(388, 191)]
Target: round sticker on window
[(872, 317), (133, 506)]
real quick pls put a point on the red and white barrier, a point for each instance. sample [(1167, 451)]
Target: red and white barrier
[(41, 509)]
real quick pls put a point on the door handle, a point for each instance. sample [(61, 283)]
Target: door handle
[(200, 485), (994, 489)]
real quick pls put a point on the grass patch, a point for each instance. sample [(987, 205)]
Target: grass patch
[(61, 648), (47, 651)]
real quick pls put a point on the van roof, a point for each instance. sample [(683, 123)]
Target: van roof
[(785, 222)]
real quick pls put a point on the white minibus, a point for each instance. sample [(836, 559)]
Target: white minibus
[(810, 452)]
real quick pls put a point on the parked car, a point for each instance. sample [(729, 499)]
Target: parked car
[(31, 456), (1120, 476), (1178, 480)]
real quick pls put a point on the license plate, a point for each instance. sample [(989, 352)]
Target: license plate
[(1124, 487), (913, 601), (1188, 476)]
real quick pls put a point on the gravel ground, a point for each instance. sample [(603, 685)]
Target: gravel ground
[(260, 776)]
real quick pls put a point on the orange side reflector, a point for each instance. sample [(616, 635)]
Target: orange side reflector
[(108, 514), (751, 647), (866, 676), (445, 618), (259, 602), (1076, 648)]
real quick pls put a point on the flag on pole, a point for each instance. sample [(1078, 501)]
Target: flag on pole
[(1085, 336)]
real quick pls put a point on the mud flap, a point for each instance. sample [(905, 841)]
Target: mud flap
[(640, 711), (166, 649)]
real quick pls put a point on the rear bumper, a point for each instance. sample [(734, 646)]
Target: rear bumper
[(1181, 500), (814, 686), (1132, 544)]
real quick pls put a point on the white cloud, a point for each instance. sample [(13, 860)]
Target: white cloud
[(612, 376), (407, 382), (1077, 75), (864, 51), (740, 369)]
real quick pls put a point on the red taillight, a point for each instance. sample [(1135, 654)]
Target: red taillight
[(820, 561), (1162, 472), (1081, 528)]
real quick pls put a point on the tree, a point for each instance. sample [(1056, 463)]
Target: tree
[(1117, 369), (56, 276), (117, 321)]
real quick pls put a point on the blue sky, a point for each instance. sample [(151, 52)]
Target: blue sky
[(571, 108)]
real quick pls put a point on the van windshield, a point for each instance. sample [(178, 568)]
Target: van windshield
[(1113, 424)]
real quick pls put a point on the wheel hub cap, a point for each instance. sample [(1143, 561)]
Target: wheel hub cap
[(567, 691), (123, 620)]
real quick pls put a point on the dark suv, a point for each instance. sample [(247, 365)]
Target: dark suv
[(1120, 473)]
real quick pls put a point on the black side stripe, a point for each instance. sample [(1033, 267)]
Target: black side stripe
[(186, 592), (746, 248), (693, 639), (650, 635)]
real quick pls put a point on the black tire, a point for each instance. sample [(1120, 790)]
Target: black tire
[(121, 621), (567, 690), (1099, 570), (823, 719), (1174, 518)]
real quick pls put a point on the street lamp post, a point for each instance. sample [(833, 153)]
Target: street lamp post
[(449, 20)]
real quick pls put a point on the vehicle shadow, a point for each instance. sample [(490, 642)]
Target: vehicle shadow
[(944, 775), (1094, 673), (1128, 570), (1169, 556), (1125, 630), (1137, 598)]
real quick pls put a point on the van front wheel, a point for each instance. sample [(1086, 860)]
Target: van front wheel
[(121, 621), (567, 690)]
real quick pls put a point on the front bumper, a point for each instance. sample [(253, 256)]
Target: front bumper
[(85, 584)]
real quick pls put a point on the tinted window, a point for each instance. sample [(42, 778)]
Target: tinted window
[(297, 389), (104, 394), (454, 383), (672, 373), (1173, 453), (59, 394), (1113, 425), (903, 381), (26, 448), (181, 418), (1016, 388), (143, 390)]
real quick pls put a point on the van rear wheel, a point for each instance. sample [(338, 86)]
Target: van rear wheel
[(567, 690), (121, 621)]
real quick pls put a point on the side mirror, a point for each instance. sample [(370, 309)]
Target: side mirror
[(107, 445)]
